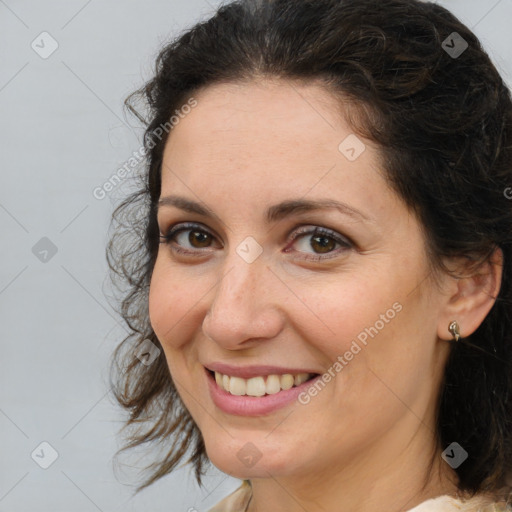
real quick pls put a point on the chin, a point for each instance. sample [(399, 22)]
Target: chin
[(246, 459)]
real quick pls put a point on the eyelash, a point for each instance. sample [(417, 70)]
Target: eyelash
[(317, 231)]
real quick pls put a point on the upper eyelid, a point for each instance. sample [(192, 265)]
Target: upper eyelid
[(184, 226), (190, 225)]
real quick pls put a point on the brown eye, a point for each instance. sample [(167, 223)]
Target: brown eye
[(200, 237), (321, 241), (187, 238), (324, 244)]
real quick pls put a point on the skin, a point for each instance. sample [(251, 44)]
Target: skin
[(365, 441)]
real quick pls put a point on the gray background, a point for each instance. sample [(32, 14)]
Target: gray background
[(63, 133)]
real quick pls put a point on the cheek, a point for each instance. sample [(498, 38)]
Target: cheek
[(171, 304), (385, 352), (348, 308), (362, 324)]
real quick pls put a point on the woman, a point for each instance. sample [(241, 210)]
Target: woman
[(320, 291)]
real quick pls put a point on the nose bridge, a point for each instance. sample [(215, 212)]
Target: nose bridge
[(242, 307)]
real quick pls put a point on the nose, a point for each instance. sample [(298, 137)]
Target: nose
[(246, 306)]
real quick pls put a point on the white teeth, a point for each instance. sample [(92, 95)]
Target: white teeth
[(300, 378), (236, 386), (287, 381), (257, 386), (273, 385)]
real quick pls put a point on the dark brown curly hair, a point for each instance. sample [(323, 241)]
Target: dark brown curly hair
[(443, 125)]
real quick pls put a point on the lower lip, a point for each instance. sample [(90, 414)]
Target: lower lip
[(252, 405)]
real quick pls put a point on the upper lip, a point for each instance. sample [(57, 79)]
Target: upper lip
[(246, 372)]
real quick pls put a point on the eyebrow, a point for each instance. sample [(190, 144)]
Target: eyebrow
[(274, 213)]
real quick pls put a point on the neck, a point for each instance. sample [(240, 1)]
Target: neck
[(378, 480)]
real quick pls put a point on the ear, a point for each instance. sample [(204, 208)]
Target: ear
[(470, 298)]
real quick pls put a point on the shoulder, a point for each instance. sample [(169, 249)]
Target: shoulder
[(451, 504), (237, 501)]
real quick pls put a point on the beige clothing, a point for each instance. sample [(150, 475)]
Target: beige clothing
[(238, 501)]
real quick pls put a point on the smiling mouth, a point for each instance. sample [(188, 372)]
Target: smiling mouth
[(260, 385)]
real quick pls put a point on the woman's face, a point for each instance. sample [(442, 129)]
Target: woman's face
[(256, 287)]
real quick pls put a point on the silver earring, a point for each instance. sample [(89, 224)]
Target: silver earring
[(454, 330)]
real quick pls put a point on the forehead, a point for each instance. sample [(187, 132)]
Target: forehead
[(262, 141), (246, 118)]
